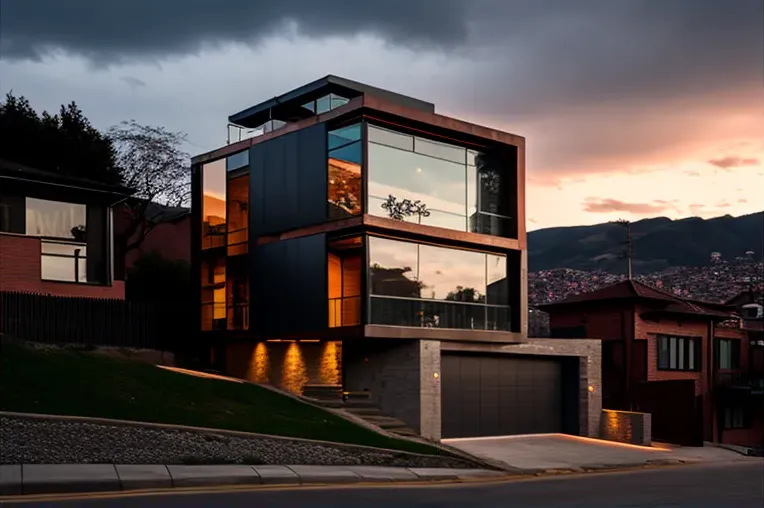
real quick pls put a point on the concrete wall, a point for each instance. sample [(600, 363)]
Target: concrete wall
[(401, 377), (626, 427), (590, 370)]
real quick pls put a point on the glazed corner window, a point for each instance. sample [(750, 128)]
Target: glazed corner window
[(344, 172), (63, 261), (55, 219), (678, 353)]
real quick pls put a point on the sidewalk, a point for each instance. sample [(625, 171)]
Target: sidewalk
[(71, 478)]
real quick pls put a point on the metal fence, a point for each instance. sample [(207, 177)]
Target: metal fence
[(91, 321)]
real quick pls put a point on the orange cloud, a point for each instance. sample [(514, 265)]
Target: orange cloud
[(595, 205), (733, 162)]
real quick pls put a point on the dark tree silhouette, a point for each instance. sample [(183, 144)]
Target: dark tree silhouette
[(153, 163), (65, 143)]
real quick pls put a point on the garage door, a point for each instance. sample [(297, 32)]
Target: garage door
[(500, 395)]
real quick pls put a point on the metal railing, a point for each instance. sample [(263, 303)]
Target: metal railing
[(238, 133), (344, 311)]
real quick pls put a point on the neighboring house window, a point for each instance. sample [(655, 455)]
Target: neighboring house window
[(678, 353), (62, 228), (728, 354), (736, 417)]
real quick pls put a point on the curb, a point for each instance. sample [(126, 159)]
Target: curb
[(54, 481), (23, 481)]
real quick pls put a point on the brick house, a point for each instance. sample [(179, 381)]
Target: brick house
[(56, 234), (692, 364)]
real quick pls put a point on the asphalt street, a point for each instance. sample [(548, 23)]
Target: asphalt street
[(719, 486)]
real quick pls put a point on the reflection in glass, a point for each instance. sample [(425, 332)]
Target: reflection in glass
[(436, 287), (66, 262), (406, 186), (237, 212), (214, 204), (237, 160), (344, 172), (55, 219), (438, 184)]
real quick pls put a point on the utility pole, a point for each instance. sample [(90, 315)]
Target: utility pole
[(627, 224)]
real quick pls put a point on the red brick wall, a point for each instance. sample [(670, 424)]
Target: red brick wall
[(170, 239), (753, 436), (646, 330), (20, 271), (603, 322)]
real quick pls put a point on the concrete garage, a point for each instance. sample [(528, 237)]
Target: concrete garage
[(499, 395)]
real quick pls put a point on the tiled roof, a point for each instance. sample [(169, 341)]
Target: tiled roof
[(635, 290)]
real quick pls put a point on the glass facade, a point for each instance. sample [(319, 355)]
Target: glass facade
[(225, 241), (344, 172), (427, 182), (419, 285)]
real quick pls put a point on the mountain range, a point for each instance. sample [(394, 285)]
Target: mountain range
[(657, 243)]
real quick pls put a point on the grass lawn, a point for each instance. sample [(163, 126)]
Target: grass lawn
[(66, 382)]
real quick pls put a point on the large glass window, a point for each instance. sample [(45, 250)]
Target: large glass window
[(678, 353), (728, 354), (63, 261), (344, 172), (214, 204), (55, 219), (436, 287), (427, 182)]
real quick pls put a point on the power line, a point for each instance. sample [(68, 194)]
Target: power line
[(627, 224)]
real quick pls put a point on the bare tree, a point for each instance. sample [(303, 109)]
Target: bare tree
[(153, 163)]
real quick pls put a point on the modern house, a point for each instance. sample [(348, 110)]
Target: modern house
[(697, 367), (56, 235), (351, 236)]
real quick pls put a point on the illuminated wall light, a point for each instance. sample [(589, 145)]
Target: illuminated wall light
[(329, 369), (294, 374), (591, 389), (259, 364), (436, 375)]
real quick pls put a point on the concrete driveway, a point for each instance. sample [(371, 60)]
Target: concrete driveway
[(561, 451)]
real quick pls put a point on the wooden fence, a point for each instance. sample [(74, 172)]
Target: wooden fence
[(92, 321)]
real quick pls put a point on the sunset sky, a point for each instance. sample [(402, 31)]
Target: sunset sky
[(631, 108)]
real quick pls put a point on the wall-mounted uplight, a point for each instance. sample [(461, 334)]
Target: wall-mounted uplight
[(591, 389), (436, 375)]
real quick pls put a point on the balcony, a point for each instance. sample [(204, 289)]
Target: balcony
[(238, 133), (743, 381)]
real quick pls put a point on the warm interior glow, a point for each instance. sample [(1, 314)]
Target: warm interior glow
[(344, 192)]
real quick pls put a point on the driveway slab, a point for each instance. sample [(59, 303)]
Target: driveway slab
[(54, 478), (203, 476), (559, 452)]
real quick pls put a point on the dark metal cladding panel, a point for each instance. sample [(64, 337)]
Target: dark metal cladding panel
[(289, 287), (288, 181), (256, 193), (96, 232), (492, 395), (312, 176)]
